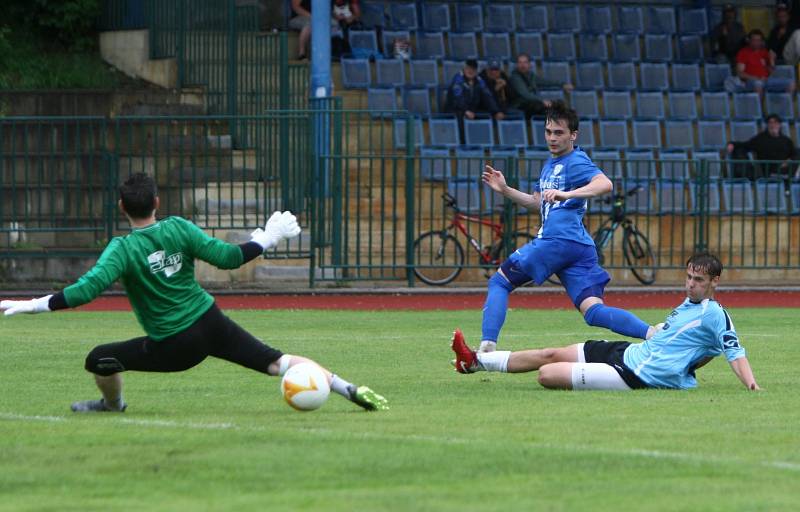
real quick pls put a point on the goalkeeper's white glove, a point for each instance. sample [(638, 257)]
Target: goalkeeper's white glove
[(279, 227), (12, 307)]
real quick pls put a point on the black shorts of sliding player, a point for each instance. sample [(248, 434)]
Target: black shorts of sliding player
[(213, 334), (612, 353)]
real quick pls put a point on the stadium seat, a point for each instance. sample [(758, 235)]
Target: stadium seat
[(381, 101), (373, 15), (747, 105), (417, 100), (529, 43), (685, 77), (479, 132), (388, 38), (770, 196), (795, 193), (658, 47), (593, 47), (640, 164), (496, 44), (679, 134), (608, 160), (712, 197), (556, 71), (443, 129), (613, 134), (365, 40), (513, 132), (785, 71), (779, 103), (621, 75), (467, 193), (561, 46), (533, 160), (537, 132), (712, 162), (470, 161), (674, 165), (682, 105), (660, 20), (429, 45), (500, 17), (690, 48), (566, 18), (585, 134), (462, 45), (356, 73), (693, 21), (552, 94), (642, 200), (533, 18), (671, 197), (715, 105), (711, 135), (585, 103), (436, 16), (499, 158), (738, 194), (597, 19), (617, 104), (450, 68), (650, 105), (400, 136), (589, 75), (403, 16), (654, 76), (743, 130), (625, 47), (646, 134), (434, 163), (469, 17), (630, 20), (424, 72), (715, 75), (390, 72)]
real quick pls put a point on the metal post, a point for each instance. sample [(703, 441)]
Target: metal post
[(233, 66), (321, 49), (702, 206), (181, 43), (410, 200)]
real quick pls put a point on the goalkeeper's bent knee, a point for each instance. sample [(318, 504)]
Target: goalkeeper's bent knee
[(103, 366)]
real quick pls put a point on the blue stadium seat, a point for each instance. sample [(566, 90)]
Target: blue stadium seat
[(613, 134), (743, 130), (556, 71), (585, 103), (496, 44), (399, 132), (779, 103), (693, 21), (479, 132), (674, 165), (470, 161), (434, 163), (597, 19), (593, 47), (566, 18), (747, 105), (537, 132), (642, 200), (533, 160), (381, 101), (660, 20), (646, 134), (654, 76), (533, 18), (436, 16), (630, 20), (738, 194), (712, 198), (685, 77), (679, 134), (500, 17), (711, 135), (650, 105), (450, 68), (390, 72), (417, 100), (621, 75), (373, 14), (770, 196), (671, 197), (783, 71), (388, 38), (513, 132), (713, 163), (552, 94), (363, 39), (682, 105), (429, 45), (658, 47), (443, 130), (403, 16), (625, 47), (424, 72), (690, 48), (561, 46), (499, 157), (715, 105), (467, 193), (356, 73), (617, 104), (715, 75), (589, 75), (794, 189), (608, 160), (469, 17), (529, 43), (462, 46), (585, 134)]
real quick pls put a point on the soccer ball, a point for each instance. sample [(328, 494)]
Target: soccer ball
[(305, 387)]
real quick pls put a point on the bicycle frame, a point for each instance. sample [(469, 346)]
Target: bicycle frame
[(460, 221)]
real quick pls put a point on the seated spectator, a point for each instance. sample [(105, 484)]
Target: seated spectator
[(301, 21), (468, 95), (497, 82), (780, 33), (524, 88), (727, 37), (754, 64), (770, 144)]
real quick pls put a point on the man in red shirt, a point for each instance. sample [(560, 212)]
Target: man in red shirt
[(754, 64)]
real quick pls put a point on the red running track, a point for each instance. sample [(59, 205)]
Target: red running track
[(422, 302)]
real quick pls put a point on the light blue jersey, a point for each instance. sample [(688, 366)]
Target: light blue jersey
[(692, 333), (565, 219)]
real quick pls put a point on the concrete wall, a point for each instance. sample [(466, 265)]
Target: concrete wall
[(129, 51)]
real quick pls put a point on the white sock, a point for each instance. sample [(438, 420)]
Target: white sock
[(341, 386), (494, 361)]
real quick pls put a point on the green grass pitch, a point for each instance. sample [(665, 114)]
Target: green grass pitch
[(219, 437)]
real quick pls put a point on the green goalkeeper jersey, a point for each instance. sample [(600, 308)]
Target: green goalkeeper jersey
[(156, 266)]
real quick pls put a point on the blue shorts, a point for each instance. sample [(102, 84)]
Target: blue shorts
[(575, 265)]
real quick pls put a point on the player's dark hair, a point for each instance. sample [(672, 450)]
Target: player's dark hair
[(138, 195), (559, 111), (775, 117), (706, 263)]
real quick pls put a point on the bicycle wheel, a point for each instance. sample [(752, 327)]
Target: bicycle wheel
[(639, 256), (601, 238), (438, 257)]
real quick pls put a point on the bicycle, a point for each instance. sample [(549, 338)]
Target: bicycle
[(439, 256), (635, 246)]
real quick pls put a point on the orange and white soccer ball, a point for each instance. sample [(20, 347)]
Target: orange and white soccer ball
[(305, 387)]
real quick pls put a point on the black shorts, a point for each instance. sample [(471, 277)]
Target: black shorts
[(612, 353), (213, 334)]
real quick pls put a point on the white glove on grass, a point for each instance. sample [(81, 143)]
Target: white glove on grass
[(280, 226), (12, 307)]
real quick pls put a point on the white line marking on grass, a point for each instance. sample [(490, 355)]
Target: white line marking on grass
[(23, 417)]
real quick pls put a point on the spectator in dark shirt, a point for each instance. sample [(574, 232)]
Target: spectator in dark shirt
[(497, 81), (780, 33), (727, 37), (468, 95), (770, 144), (524, 88)]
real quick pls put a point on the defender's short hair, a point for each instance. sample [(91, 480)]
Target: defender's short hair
[(559, 111), (138, 194), (705, 262)]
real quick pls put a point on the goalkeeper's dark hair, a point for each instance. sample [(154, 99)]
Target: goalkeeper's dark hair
[(706, 263), (559, 111), (138, 195)]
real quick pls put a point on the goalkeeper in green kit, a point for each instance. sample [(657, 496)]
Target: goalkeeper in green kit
[(183, 325)]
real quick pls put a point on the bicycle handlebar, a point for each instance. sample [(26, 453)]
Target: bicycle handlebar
[(621, 197), (449, 200)]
